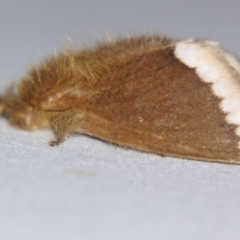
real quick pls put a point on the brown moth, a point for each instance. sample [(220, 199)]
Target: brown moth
[(150, 93)]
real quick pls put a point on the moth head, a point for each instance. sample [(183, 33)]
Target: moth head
[(21, 115)]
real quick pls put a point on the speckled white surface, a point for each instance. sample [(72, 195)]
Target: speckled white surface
[(88, 189)]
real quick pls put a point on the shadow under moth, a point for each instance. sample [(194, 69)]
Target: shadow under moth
[(149, 93)]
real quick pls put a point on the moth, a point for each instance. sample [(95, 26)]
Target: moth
[(177, 98)]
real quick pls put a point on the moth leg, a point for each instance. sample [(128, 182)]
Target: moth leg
[(64, 123), (59, 139)]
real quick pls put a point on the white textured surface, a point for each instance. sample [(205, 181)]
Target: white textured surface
[(87, 189)]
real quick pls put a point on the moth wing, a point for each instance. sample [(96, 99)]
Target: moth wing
[(167, 109)]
